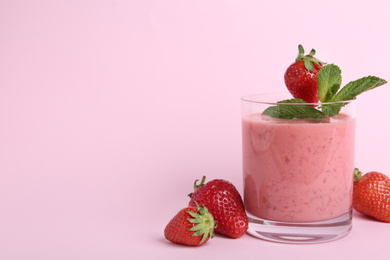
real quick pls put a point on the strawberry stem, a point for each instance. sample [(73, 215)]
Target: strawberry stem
[(201, 183), (357, 174), (198, 186)]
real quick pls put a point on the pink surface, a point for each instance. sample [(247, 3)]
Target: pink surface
[(109, 110)]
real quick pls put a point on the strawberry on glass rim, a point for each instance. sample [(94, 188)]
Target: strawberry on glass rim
[(301, 76), (312, 81)]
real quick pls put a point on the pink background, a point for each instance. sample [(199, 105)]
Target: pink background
[(109, 110)]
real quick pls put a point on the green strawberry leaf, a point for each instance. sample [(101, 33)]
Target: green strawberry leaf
[(293, 111), (329, 82), (301, 53), (308, 64), (354, 88)]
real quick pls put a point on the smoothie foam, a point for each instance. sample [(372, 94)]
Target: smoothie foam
[(298, 170)]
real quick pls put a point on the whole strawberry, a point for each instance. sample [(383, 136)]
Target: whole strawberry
[(224, 203), (301, 76), (192, 226), (371, 195)]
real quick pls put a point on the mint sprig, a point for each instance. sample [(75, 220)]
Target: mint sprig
[(293, 111), (329, 82), (357, 87)]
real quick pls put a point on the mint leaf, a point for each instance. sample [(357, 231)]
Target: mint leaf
[(354, 88), (292, 100), (332, 109), (293, 111), (329, 82)]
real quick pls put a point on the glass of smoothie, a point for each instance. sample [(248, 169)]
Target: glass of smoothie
[(298, 173)]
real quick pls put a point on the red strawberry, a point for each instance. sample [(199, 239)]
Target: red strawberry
[(371, 195), (224, 203), (301, 76), (192, 226)]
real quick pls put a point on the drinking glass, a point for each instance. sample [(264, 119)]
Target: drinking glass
[(298, 173)]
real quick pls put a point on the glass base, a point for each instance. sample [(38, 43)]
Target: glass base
[(301, 233)]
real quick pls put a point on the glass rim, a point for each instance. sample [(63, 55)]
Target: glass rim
[(252, 99)]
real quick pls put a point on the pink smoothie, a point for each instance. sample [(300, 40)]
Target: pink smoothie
[(298, 170)]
